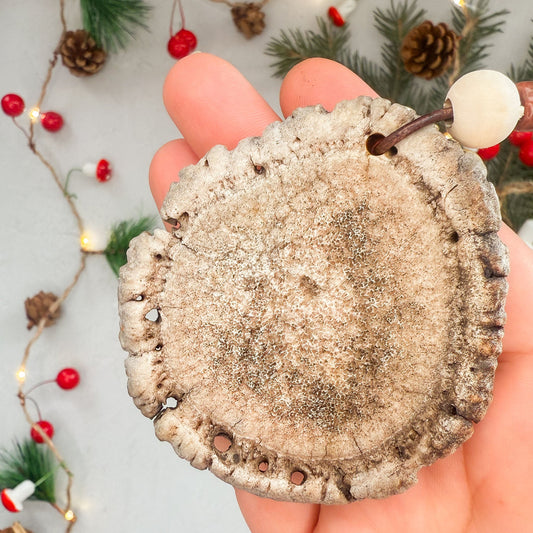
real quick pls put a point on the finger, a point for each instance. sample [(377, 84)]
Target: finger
[(320, 81), (166, 164), (518, 338), (212, 103), (267, 516)]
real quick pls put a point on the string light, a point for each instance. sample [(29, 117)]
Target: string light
[(463, 4), (34, 114), (85, 242), (21, 374), (70, 516)]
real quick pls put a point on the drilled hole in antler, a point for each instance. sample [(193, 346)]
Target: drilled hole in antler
[(153, 315), (297, 477), (222, 442), (263, 466)]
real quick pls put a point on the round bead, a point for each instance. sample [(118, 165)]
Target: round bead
[(51, 121), (526, 153), (177, 47), (12, 105), (525, 90), (68, 378), (46, 427), (488, 153), (518, 138), (486, 107), (188, 37)]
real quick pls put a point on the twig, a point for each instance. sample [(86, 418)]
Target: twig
[(83, 258)]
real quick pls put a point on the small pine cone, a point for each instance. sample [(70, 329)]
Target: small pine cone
[(37, 307), (81, 54), (428, 51), (249, 18)]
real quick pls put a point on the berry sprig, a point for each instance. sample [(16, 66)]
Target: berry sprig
[(183, 42), (13, 106), (66, 379)]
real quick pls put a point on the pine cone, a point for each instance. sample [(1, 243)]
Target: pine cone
[(428, 51), (249, 18), (37, 307), (81, 54)]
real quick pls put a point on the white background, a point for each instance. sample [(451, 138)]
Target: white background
[(125, 479)]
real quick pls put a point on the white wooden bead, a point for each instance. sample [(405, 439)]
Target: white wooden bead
[(486, 107)]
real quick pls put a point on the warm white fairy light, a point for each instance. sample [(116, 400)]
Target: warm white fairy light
[(85, 242), (69, 515), (34, 113), (463, 4), (21, 374)]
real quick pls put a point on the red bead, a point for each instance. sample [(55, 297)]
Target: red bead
[(182, 44), (12, 105), (68, 378), (526, 153), (488, 153), (46, 427), (188, 37), (335, 16), (518, 138), (51, 121)]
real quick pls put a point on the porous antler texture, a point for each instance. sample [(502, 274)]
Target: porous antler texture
[(328, 321)]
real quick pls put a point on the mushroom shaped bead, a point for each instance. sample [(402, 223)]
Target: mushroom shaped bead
[(12, 499), (486, 107)]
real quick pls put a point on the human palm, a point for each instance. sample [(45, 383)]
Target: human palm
[(484, 487)]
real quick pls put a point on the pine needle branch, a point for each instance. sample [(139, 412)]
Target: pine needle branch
[(394, 24), (475, 25), (525, 71), (30, 461), (293, 46), (119, 241), (113, 22), (364, 68)]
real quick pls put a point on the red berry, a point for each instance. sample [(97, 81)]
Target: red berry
[(526, 153), (178, 48), (51, 121), (335, 16), (518, 138), (46, 427), (188, 37), (12, 105), (68, 378), (103, 170), (488, 153)]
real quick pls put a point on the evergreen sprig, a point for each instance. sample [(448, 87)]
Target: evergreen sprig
[(121, 235), (475, 26), (394, 24), (294, 46), (524, 72), (30, 461), (113, 22)]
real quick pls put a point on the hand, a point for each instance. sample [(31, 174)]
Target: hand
[(484, 487)]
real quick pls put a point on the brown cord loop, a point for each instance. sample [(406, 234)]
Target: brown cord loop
[(378, 145)]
